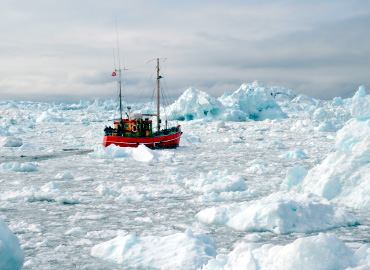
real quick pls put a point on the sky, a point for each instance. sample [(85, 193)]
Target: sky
[(65, 51)]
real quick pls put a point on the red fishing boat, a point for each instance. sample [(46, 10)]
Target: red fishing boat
[(137, 128)]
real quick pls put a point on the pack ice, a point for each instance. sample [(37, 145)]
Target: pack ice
[(263, 179)]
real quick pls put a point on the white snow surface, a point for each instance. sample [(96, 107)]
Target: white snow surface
[(260, 177)]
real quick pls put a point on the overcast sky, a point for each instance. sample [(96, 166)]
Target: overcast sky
[(62, 51)]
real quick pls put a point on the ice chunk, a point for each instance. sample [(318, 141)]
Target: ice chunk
[(140, 153), (195, 104), (361, 108), (280, 213), (217, 181), (110, 152), (66, 176), (360, 93), (330, 125), (29, 147), (303, 99), (50, 192), (47, 117), (257, 166), (143, 154), (77, 231), (11, 255), (19, 167), (344, 175), (337, 101), (251, 101), (294, 154), (321, 252), (176, 251), (10, 141), (192, 138), (293, 177), (220, 125)]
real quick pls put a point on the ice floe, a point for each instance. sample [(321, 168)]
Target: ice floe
[(294, 154), (10, 141), (19, 167), (175, 251), (141, 153), (321, 252), (49, 192), (217, 181), (280, 213)]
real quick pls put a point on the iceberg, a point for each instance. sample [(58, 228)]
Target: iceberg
[(195, 104), (251, 101)]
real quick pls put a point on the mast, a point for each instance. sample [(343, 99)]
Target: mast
[(158, 77), (119, 75), (120, 93)]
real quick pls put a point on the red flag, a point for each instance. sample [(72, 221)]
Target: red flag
[(114, 74)]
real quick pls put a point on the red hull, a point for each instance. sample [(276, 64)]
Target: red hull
[(165, 141)]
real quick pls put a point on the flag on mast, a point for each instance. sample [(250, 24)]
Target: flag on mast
[(114, 74)]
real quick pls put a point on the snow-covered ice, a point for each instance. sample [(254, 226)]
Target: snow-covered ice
[(263, 179), (321, 252), (174, 251), (280, 213), (343, 176)]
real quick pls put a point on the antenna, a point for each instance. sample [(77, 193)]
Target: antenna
[(119, 61), (114, 60)]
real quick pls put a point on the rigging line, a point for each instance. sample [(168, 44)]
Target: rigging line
[(145, 87), (169, 100), (164, 107), (124, 91), (136, 67), (166, 102), (152, 99), (160, 59)]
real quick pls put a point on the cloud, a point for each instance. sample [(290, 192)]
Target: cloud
[(63, 51)]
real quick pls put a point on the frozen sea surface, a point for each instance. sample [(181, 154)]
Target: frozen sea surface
[(72, 195)]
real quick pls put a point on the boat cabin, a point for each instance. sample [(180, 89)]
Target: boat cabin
[(131, 128)]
